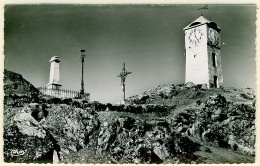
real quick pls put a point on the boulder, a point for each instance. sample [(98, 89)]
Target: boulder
[(143, 99), (160, 150), (28, 125), (204, 86), (105, 138), (71, 127), (25, 140), (189, 84)]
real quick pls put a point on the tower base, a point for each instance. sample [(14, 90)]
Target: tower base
[(54, 86)]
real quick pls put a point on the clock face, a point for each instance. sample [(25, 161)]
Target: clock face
[(195, 36), (213, 37)]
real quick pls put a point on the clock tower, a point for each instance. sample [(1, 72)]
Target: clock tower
[(203, 58)]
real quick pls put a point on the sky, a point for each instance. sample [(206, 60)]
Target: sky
[(148, 38)]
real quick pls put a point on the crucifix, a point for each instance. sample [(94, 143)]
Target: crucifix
[(203, 8), (123, 76)]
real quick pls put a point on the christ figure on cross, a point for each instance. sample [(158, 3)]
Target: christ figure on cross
[(124, 73)]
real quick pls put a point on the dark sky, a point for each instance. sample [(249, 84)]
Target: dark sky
[(150, 39)]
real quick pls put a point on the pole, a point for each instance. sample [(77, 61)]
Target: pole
[(124, 92), (124, 81), (82, 72)]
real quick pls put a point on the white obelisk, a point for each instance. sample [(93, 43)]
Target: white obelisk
[(54, 82)]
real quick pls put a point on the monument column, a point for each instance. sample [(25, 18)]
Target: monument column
[(54, 82)]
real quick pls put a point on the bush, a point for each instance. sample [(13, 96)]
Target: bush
[(67, 101), (54, 100), (143, 100), (75, 103)]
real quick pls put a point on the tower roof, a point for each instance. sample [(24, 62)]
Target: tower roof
[(200, 21)]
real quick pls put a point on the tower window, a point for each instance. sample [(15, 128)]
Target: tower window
[(214, 63), (215, 81)]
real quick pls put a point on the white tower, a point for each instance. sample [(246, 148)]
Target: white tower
[(54, 82), (203, 59)]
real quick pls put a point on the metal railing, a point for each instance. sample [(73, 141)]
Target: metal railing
[(63, 93)]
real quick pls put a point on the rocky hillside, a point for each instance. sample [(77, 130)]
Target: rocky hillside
[(17, 89), (221, 117), (168, 124), (186, 94)]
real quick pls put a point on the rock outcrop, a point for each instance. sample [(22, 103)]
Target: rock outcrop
[(26, 140), (18, 90), (220, 123), (66, 130), (168, 124)]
